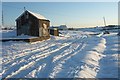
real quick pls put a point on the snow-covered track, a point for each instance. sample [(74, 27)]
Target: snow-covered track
[(78, 56), (37, 58)]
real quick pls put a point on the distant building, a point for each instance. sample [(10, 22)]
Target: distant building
[(33, 24), (62, 27), (111, 27)]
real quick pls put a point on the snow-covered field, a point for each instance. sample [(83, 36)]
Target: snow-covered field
[(76, 55)]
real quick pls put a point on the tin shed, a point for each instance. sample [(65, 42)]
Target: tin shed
[(54, 31), (33, 24)]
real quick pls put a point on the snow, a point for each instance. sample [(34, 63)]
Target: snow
[(8, 33), (111, 58), (11, 34), (37, 15), (24, 37), (77, 55)]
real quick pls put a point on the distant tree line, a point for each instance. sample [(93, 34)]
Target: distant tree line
[(111, 27), (8, 28)]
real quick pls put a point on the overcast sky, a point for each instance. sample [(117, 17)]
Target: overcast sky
[(73, 14)]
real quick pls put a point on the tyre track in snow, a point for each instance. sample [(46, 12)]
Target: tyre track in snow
[(33, 51), (25, 52), (31, 67), (40, 74), (27, 59), (72, 70), (17, 63), (17, 54), (51, 65), (38, 61), (26, 55), (63, 61)]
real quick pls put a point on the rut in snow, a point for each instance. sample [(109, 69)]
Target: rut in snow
[(25, 65), (63, 59)]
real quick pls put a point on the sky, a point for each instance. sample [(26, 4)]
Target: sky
[(72, 14)]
